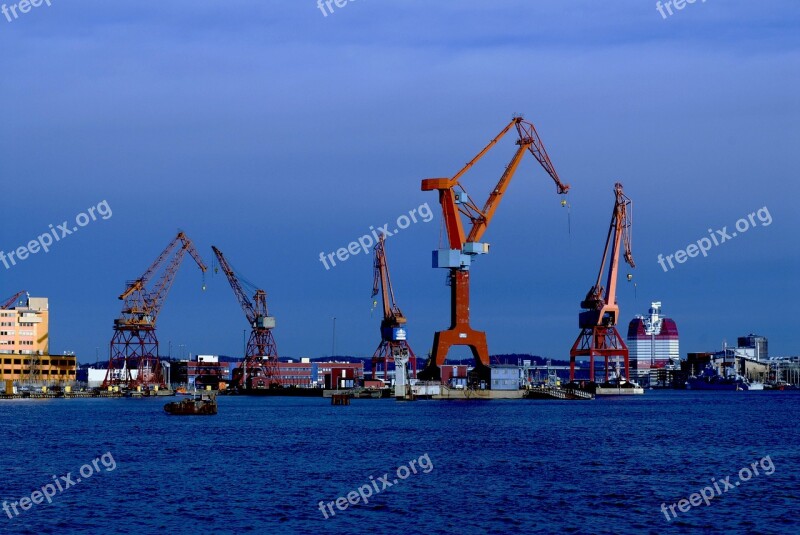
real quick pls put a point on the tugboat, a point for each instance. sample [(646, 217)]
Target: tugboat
[(202, 404)]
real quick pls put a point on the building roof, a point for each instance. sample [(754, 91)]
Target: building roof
[(636, 330)]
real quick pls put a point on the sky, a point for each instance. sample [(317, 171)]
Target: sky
[(276, 132)]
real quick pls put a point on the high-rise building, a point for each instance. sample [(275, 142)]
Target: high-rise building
[(24, 330), (653, 342), (756, 343), (25, 345)]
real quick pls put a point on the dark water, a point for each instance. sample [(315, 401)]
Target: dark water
[(263, 465)]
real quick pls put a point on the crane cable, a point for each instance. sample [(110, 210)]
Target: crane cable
[(568, 206)]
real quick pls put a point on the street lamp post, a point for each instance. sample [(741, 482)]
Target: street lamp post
[(333, 341)]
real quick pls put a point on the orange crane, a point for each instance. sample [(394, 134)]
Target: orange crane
[(599, 335), (11, 300), (134, 343), (457, 258), (259, 368), (394, 342)]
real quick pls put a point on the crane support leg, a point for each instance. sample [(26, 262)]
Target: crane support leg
[(460, 332), (598, 341)]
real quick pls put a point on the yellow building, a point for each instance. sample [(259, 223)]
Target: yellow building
[(25, 346)]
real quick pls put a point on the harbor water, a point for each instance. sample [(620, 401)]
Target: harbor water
[(264, 464)]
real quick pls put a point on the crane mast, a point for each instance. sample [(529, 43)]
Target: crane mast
[(463, 245), (259, 367), (598, 320), (394, 343), (134, 343)]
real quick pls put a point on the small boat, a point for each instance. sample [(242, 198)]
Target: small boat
[(711, 379), (617, 385), (203, 403)]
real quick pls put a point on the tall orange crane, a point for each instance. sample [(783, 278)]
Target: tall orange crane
[(11, 300), (457, 258), (259, 368), (394, 337), (599, 335), (134, 344)]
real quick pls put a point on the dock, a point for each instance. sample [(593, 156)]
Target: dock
[(556, 392)]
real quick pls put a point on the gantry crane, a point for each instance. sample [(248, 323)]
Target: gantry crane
[(462, 247), (134, 343), (259, 368), (394, 340), (599, 335), (11, 300)]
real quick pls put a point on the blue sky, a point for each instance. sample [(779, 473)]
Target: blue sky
[(276, 133)]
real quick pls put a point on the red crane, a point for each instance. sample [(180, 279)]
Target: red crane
[(11, 300), (393, 331), (599, 335), (462, 247), (259, 368), (134, 343)]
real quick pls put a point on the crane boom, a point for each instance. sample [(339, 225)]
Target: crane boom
[(601, 302), (142, 306), (155, 299), (247, 306), (463, 245), (382, 283), (11, 300)]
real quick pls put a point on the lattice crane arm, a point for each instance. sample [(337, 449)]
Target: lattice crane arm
[(249, 309), (141, 283), (10, 301), (154, 300), (619, 236), (454, 203)]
